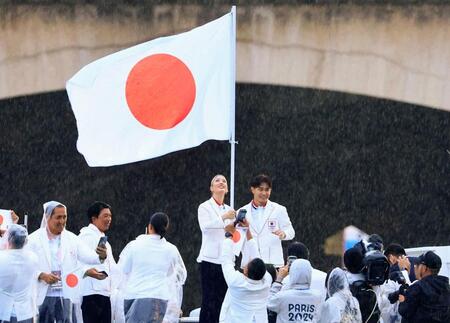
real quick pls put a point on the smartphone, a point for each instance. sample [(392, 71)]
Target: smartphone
[(104, 273), (290, 260), (240, 216), (102, 241)]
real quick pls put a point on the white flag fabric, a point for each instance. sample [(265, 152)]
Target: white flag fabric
[(164, 95), (5, 219)]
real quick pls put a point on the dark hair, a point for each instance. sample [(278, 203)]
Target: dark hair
[(95, 209), (394, 249), (259, 179), (434, 271), (353, 260), (272, 271), (256, 269), (298, 249), (375, 238), (160, 223)]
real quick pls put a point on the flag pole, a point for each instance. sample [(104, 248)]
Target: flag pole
[(233, 103)]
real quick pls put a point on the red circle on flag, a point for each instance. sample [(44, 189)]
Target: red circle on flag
[(1, 219), (71, 280), (160, 91), (236, 236)]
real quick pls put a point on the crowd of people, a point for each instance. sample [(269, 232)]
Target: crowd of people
[(53, 275)]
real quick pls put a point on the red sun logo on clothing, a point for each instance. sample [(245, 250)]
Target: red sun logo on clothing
[(160, 91), (1, 219), (72, 280)]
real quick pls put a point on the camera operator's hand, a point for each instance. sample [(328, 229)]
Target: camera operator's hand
[(282, 273), (280, 234), (393, 297), (230, 215)]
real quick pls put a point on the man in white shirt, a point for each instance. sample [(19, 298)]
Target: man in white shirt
[(60, 271), (248, 292), (96, 289), (269, 223), (17, 278)]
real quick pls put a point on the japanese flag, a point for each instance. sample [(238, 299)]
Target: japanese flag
[(164, 95), (5, 219)]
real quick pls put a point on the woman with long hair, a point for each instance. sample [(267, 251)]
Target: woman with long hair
[(213, 216)]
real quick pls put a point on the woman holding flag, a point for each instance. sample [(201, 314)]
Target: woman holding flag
[(213, 216)]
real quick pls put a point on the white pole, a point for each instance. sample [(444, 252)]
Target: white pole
[(233, 103)]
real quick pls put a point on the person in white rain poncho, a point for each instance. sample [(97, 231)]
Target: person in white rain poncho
[(154, 273), (341, 306), (298, 302), (60, 271), (17, 278)]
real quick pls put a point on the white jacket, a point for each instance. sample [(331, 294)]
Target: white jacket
[(269, 245), (18, 279), (247, 297), (148, 262), (212, 226), (72, 251), (90, 236)]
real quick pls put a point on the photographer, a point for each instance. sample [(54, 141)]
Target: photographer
[(361, 290), (428, 299), (298, 302), (248, 291)]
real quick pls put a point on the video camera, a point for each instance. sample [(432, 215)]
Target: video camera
[(375, 264)]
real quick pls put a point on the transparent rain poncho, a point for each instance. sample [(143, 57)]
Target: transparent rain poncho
[(153, 309), (177, 278), (17, 277), (59, 255), (341, 306)]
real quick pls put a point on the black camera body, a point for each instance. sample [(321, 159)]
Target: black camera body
[(376, 265)]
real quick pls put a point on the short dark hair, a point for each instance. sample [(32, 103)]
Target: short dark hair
[(353, 260), (95, 209), (259, 179), (160, 223), (434, 271), (256, 269), (298, 249), (394, 249), (377, 239)]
